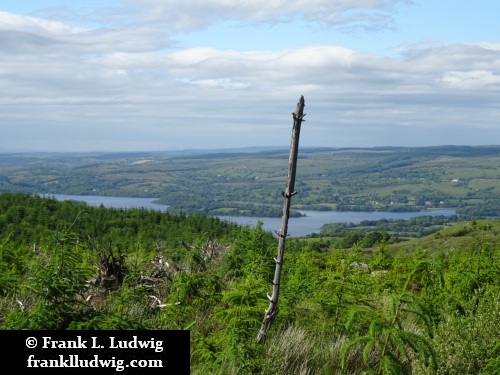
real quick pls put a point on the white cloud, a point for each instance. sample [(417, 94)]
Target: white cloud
[(81, 83), (29, 35), (15, 22), (470, 80), (189, 15)]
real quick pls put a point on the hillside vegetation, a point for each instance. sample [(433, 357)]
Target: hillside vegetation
[(426, 306)]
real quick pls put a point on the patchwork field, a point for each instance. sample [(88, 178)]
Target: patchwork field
[(250, 181)]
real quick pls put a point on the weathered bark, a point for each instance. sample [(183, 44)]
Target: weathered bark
[(272, 310)]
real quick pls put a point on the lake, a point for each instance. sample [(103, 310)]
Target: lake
[(297, 226)]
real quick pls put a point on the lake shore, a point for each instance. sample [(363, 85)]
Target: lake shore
[(297, 226)]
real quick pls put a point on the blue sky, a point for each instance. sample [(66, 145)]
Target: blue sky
[(149, 75)]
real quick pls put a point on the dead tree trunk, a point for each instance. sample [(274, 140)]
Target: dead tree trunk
[(272, 310)]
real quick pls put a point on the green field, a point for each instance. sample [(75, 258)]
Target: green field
[(249, 182)]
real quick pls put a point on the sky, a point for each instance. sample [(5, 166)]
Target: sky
[(156, 75)]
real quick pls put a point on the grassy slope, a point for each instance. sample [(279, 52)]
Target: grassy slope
[(460, 236)]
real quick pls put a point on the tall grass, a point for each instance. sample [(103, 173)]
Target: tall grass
[(295, 351)]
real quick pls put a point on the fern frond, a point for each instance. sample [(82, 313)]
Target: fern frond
[(390, 365)]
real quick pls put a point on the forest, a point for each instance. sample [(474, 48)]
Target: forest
[(373, 306), (393, 230)]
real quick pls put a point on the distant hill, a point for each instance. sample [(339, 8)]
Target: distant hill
[(247, 181)]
